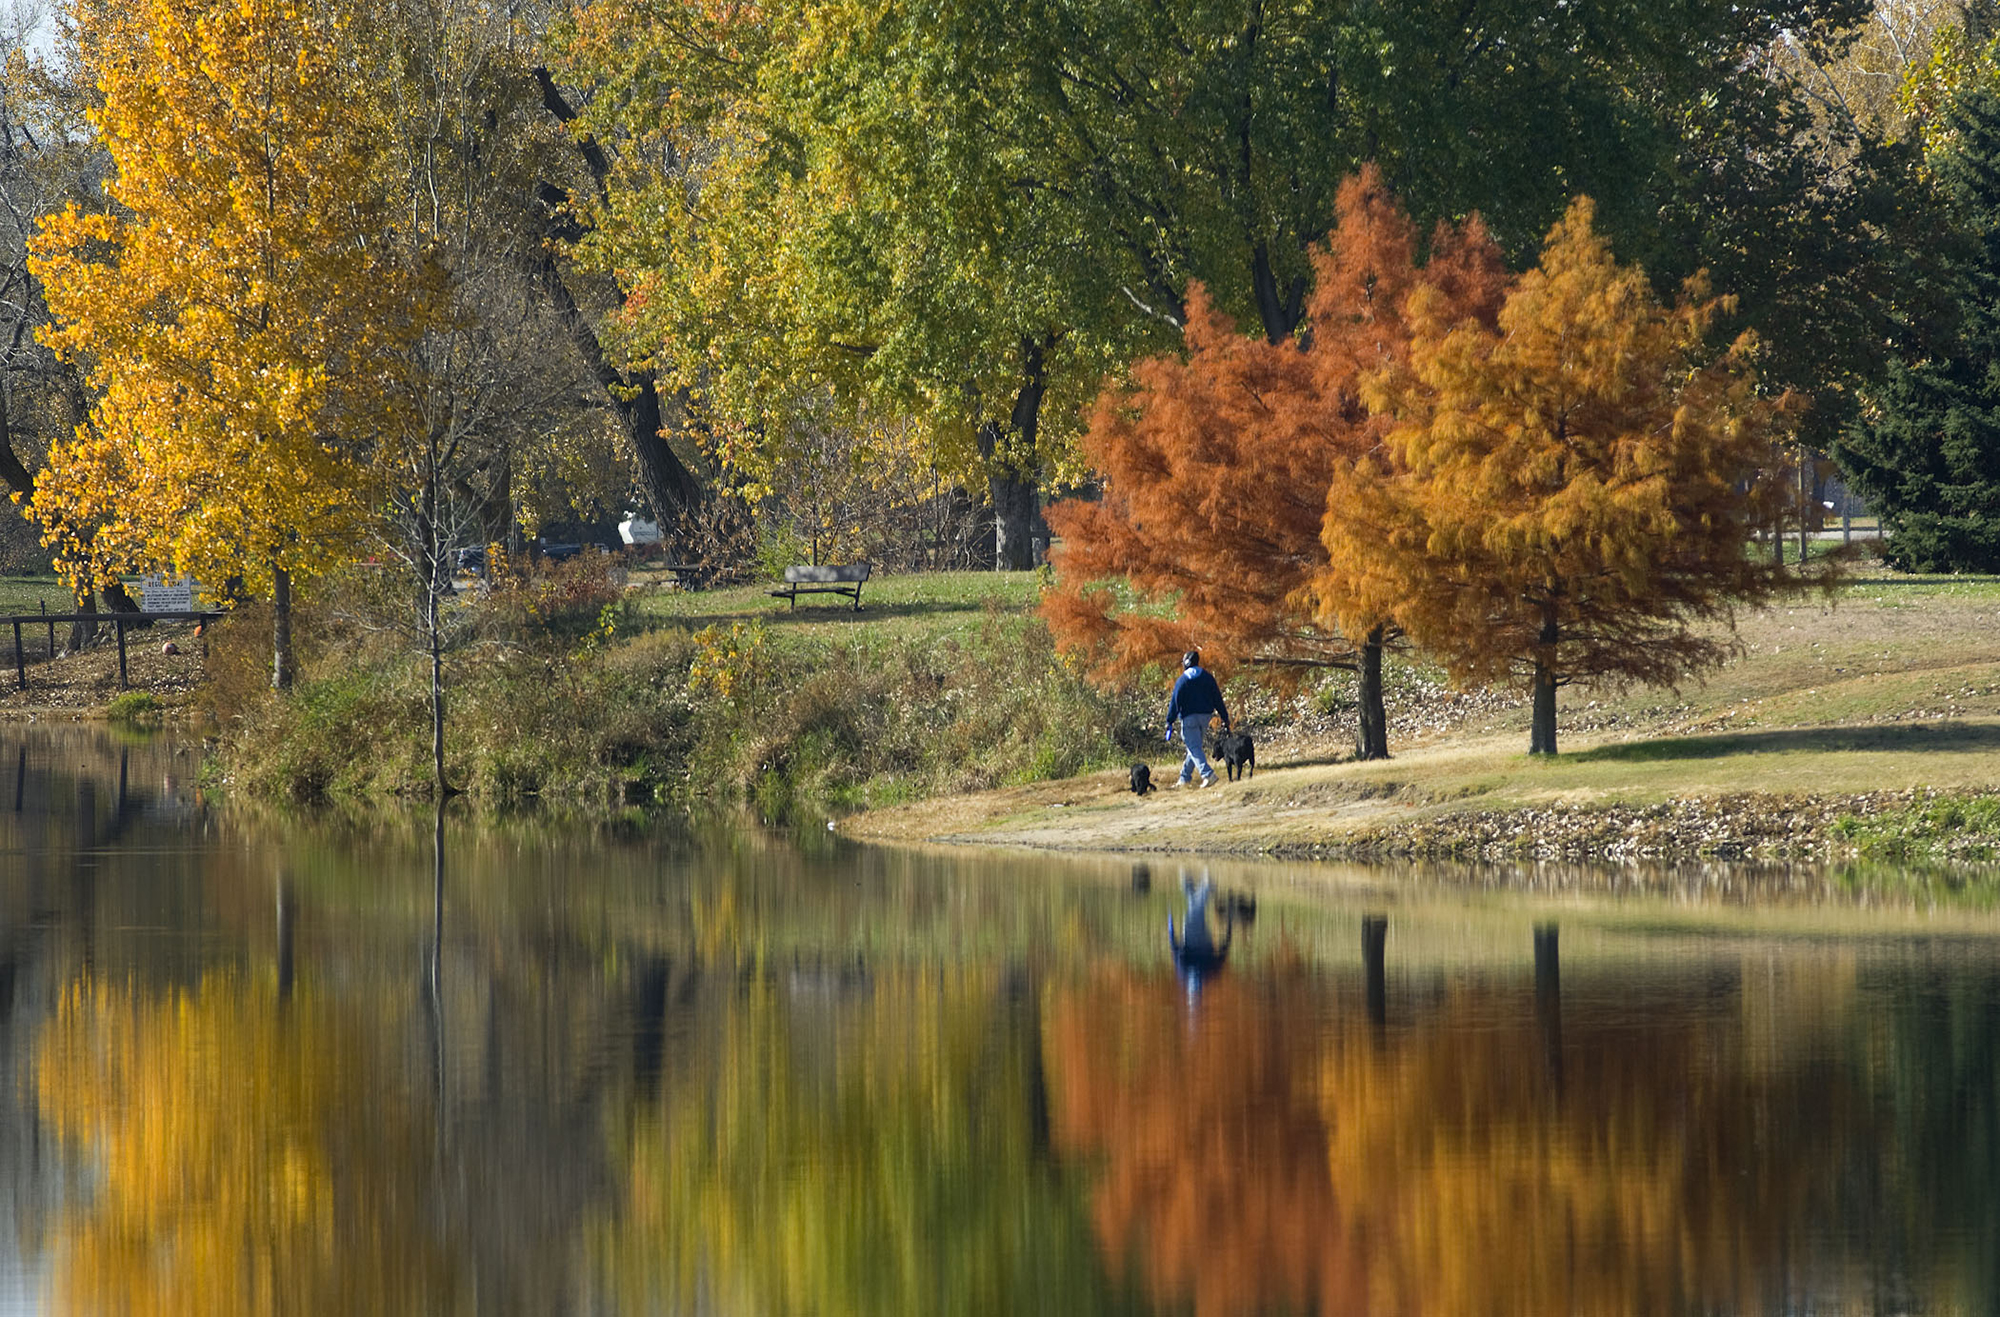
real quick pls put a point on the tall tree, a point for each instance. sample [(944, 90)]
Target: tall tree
[(236, 309), (807, 200), (1927, 453), (1217, 465), (1566, 495), (976, 204)]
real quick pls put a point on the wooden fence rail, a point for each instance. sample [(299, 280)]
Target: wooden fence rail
[(118, 621)]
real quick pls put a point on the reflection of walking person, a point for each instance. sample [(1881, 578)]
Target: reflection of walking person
[(1197, 698), (1197, 955)]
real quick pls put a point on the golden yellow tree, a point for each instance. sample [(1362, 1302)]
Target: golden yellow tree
[(237, 310), (1565, 495)]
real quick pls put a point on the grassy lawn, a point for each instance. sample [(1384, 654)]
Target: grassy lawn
[(1893, 682), (1890, 682), (26, 594)]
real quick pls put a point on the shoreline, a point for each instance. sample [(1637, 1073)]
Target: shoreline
[(1904, 801)]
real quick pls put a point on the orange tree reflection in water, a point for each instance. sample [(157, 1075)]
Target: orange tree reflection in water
[(1272, 1151), (245, 1158), (1209, 1138), (1662, 1170)]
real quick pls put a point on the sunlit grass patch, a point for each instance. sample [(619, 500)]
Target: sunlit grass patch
[(1946, 827)]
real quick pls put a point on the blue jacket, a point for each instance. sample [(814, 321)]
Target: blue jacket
[(1195, 694)]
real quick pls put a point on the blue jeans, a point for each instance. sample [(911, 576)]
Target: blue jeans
[(1192, 729)]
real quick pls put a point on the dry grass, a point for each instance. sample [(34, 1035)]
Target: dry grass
[(1890, 685)]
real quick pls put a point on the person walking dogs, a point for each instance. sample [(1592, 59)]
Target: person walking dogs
[(1196, 699)]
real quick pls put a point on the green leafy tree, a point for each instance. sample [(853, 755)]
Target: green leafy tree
[(1927, 454), (971, 208)]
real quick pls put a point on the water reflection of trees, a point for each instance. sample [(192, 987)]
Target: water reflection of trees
[(247, 1158), (852, 1142), (1208, 1140), (717, 1071), (1685, 1146)]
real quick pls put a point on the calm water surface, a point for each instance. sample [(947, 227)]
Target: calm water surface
[(275, 1067)]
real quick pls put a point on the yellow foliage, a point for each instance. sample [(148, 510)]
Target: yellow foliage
[(238, 311), (1566, 493), (727, 663)]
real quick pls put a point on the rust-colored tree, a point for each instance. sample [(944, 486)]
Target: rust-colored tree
[(1216, 466), (1567, 495)]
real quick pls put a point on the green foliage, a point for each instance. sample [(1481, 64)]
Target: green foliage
[(1958, 828), (1927, 457), (134, 707), (972, 212)]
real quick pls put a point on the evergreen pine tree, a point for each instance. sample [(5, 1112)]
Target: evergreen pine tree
[(1926, 456)]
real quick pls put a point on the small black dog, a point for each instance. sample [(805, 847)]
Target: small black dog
[(1238, 752), (1142, 780)]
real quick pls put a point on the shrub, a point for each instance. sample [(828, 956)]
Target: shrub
[(134, 707)]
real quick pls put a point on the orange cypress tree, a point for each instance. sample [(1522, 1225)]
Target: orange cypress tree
[(1565, 494), (1216, 466)]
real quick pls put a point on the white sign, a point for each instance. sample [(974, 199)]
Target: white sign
[(637, 530), (161, 596)]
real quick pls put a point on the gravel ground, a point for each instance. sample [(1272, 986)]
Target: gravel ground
[(1730, 827)]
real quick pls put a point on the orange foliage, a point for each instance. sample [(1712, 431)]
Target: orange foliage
[(1216, 465), (1565, 492), (1638, 1179)]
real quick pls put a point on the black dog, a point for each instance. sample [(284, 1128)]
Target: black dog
[(1142, 780), (1238, 752)]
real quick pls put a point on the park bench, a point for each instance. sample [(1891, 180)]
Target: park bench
[(845, 579)]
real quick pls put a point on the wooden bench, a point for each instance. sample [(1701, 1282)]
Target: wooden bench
[(690, 575), (845, 579)]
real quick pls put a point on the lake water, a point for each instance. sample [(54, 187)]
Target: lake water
[(276, 1066)]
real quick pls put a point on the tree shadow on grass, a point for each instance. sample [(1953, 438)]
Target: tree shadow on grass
[(1947, 736)]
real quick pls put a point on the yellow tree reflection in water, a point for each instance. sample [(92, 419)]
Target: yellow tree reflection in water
[(244, 1158)]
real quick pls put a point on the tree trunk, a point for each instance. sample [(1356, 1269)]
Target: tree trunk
[(17, 476), (1014, 507), (1373, 742), (1278, 310), (1542, 738), (1013, 476), (496, 510), (82, 633), (437, 708), (1805, 503), (670, 487), (281, 629)]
